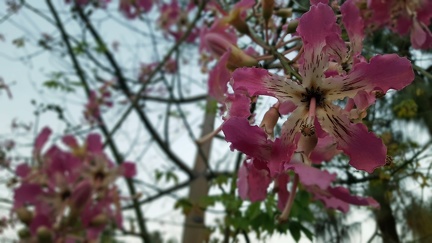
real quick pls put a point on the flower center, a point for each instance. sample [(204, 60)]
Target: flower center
[(315, 93)]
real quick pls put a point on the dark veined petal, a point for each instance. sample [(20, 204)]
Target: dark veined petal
[(314, 28), (365, 150), (292, 126), (258, 81), (382, 73)]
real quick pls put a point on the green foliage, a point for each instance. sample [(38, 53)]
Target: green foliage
[(169, 176), (406, 109), (59, 81)]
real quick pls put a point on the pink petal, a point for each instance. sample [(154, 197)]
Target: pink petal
[(238, 106), (27, 193), (253, 182), (129, 169), (291, 127), (363, 100), (38, 221), (325, 150), (310, 176), (219, 29), (253, 141), (328, 200), (82, 194), (365, 150), (219, 77), (421, 36), (318, 23), (343, 194), (42, 138), (354, 24), (258, 81), (286, 107), (94, 143), (382, 73), (70, 141), (282, 190), (248, 139), (23, 170)]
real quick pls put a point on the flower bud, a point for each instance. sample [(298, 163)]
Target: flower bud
[(44, 234), (218, 45), (24, 234), (99, 220), (24, 215), (292, 26), (239, 58), (267, 9), (269, 121), (307, 144), (284, 12), (237, 22)]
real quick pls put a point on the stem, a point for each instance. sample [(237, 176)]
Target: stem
[(208, 136), (285, 213)]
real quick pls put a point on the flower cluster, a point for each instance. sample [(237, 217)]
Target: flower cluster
[(68, 195), (331, 71), (97, 99), (403, 17)]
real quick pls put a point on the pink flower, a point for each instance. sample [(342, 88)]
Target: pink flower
[(132, 8), (315, 93), (174, 20), (63, 186), (97, 100), (267, 162), (403, 17)]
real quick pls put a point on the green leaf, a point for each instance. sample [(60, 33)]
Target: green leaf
[(294, 228)]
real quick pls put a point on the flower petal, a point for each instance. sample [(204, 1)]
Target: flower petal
[(219, 77), (258, 81), (253, 181), (248, 139), (94, 143), (282, 190), (42, 138), (128, 169), (318, 23), (310, 176), (382, 73), (354, 24), (343, 194), (238, 105), (365, 150), (292, 126)]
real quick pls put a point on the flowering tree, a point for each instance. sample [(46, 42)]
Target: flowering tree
[(279, 114)]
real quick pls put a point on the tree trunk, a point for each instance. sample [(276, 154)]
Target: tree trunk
[(384, 216), (194, 230)]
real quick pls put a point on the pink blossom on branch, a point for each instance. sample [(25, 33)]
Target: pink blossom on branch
[(314, 95), (132, 8), (403, 17), (66, 187)]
